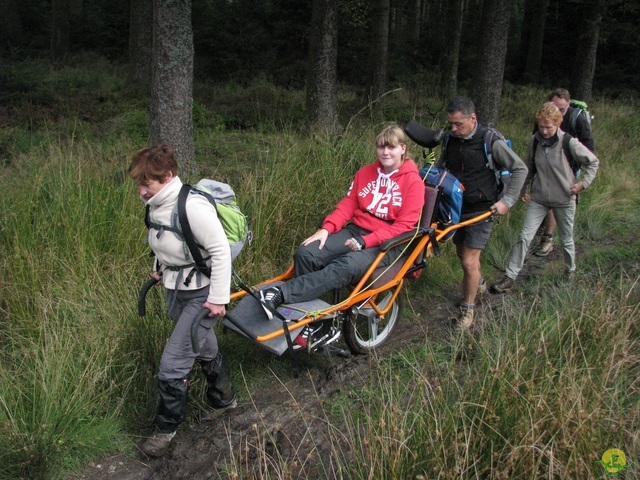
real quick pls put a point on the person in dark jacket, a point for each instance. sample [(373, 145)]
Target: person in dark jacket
[(465, 158), (575, 123)]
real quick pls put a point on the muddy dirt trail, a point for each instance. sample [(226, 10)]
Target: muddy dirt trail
[(286, 421)]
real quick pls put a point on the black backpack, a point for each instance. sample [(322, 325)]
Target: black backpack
[(489, 137), (575, 166)]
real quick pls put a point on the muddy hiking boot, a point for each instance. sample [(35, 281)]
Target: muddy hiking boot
[(545, 247), (464, 321), (157, 445), (214, 413), (504, 285)]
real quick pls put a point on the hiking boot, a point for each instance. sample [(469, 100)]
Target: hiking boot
[(569, 277), (157, 445), (545, 247), (504, 285), (216, 412), (465, 318), (271, 299)]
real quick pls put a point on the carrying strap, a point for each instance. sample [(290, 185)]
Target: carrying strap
[(575, 166), (490, 135), (185, 234), (200, 263)]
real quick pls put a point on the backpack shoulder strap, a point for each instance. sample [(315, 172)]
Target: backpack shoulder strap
[(488, 139), (149, 224), (534, 147), (567, 153), (573, 119), (445, 142), (194, 249)]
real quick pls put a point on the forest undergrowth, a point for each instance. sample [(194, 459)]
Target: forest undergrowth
[(553, 380)]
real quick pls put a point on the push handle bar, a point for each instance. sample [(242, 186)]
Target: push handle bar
[(142, 310), (423, 136)]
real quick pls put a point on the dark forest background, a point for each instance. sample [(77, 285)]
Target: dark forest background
[(240, 40), (243, 89)]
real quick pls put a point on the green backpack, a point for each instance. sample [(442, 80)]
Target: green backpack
[(234, 222), (579, 107), (223, 198)]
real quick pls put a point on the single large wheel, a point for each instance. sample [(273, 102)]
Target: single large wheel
[(364, 330)]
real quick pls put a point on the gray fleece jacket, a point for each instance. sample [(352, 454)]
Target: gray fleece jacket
[(550, 175)]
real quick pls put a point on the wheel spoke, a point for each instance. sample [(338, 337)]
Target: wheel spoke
[(365, 330)]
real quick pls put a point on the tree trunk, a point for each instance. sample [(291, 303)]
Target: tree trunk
[(584, 63), (536, 41), (60, 32), (379, 56), (322, 75), (492, 52), (415, 19), (450, 57), (140, 41), (11, 24), (525, 37), (172, 80)]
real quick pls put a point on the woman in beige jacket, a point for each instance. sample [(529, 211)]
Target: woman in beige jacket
[(154, 171), (553, 158)]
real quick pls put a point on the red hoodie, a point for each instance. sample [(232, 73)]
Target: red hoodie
[(384, 204)]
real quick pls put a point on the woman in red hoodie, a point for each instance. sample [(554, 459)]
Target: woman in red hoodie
[(385, 200)]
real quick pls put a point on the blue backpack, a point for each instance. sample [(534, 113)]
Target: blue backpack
[(449, 204)]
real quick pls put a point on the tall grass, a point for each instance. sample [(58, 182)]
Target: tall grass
[(78, 366), (549, 385), (65, 231)]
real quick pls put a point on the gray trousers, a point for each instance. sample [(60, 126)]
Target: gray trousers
[(335, 266), (532, 220), (178, 357)]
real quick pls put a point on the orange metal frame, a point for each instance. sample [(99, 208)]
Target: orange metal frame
[(362, 293)]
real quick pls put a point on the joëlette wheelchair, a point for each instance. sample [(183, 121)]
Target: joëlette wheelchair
[(368, 315)]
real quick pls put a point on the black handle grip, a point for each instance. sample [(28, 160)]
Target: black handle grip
[(423, 136), (142, 310), (195, 346)]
